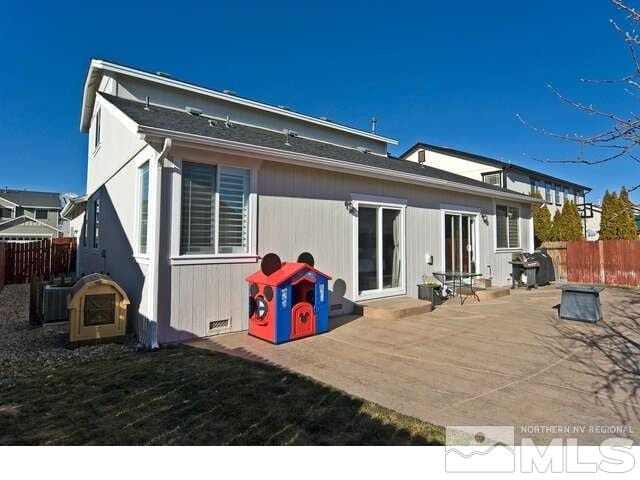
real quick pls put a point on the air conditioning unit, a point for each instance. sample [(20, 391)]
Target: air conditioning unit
[(54, 302)]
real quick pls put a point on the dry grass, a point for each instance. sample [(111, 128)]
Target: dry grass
[(185, 395)]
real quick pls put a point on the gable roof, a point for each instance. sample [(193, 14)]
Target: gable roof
[(98, 67), (28, 198), (167, 121), (22, 219), (489, 161)]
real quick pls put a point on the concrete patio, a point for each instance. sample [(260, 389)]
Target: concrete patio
[(507, 361)]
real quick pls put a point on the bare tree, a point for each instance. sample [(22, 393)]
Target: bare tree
[(621, 136)]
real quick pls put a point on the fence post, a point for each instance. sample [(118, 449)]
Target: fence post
[(601, 274)]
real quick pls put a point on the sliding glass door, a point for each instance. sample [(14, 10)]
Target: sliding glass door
[(459, 242), (379, 245)]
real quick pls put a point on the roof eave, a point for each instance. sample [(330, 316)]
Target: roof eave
[(488, 161), (302, 159)]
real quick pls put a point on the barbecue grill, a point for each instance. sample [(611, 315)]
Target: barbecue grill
[(531, 269)]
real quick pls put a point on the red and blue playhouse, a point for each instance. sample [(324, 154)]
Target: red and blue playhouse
[(288, 300)]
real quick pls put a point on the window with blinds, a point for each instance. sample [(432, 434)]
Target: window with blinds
[(143, 208), (548, 193), (233, 210), (214, 210), (197, 214), (507, 227)]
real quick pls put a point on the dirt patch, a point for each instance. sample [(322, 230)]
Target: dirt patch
[(25, 349)]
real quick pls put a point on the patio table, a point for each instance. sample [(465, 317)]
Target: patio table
[(458, 278)]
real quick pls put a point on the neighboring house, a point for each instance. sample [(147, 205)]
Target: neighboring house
[(188, 187), (553, 190), (593, 222), (27, 216)]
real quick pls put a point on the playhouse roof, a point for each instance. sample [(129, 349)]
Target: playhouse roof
[(288, 270)]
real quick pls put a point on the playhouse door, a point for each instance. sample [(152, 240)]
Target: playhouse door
[(303, 320)]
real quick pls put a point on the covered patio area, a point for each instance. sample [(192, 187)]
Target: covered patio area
[(507, 361)]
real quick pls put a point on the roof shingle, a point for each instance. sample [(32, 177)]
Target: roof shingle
[(28, 198), (184, 122)]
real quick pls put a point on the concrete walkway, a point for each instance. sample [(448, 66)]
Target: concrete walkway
[(508, 361)]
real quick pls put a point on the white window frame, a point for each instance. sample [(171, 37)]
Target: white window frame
[(95, 245), (459, 210), (500, 175), (374, 201), (495, 228), (97, 129), (549, 193), (176, 202), (138, 203)]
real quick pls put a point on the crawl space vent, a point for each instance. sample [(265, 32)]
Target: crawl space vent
[(216, 324)]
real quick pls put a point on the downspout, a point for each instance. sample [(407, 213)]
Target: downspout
[(151, 331)]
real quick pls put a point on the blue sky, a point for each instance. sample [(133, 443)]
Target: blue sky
[(449, 73)]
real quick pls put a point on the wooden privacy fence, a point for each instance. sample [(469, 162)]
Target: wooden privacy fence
[(558, 253), (63, 255), (609, 262), (2, 265), (43, 258)]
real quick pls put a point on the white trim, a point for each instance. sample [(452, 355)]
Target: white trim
[(137, 203), (497, 249), (96, 66), (447, 208), (213, 259), (259, 152), (379, 205), (176, 209), (379, 200), (8, 201)]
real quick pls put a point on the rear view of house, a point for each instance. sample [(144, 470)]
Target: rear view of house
[(189, 187), (27, 215)]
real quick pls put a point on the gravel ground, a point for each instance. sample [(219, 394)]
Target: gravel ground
[(25, 349)]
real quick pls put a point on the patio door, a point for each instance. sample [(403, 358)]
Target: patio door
[(380, 256), (460, 242)]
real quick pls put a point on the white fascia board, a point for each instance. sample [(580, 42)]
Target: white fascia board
[(9, 201), (74, 207), (301, 159), (96, 66)]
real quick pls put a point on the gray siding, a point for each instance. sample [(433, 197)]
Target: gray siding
[(302, 209)]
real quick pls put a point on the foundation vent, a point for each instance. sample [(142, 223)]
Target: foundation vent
[(217, 324)]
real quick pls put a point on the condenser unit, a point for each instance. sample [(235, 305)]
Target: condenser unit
[(54, 302)]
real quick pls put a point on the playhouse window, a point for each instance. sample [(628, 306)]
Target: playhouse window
[(214, 209)]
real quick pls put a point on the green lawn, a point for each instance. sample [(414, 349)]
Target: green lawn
[(185, 395)]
